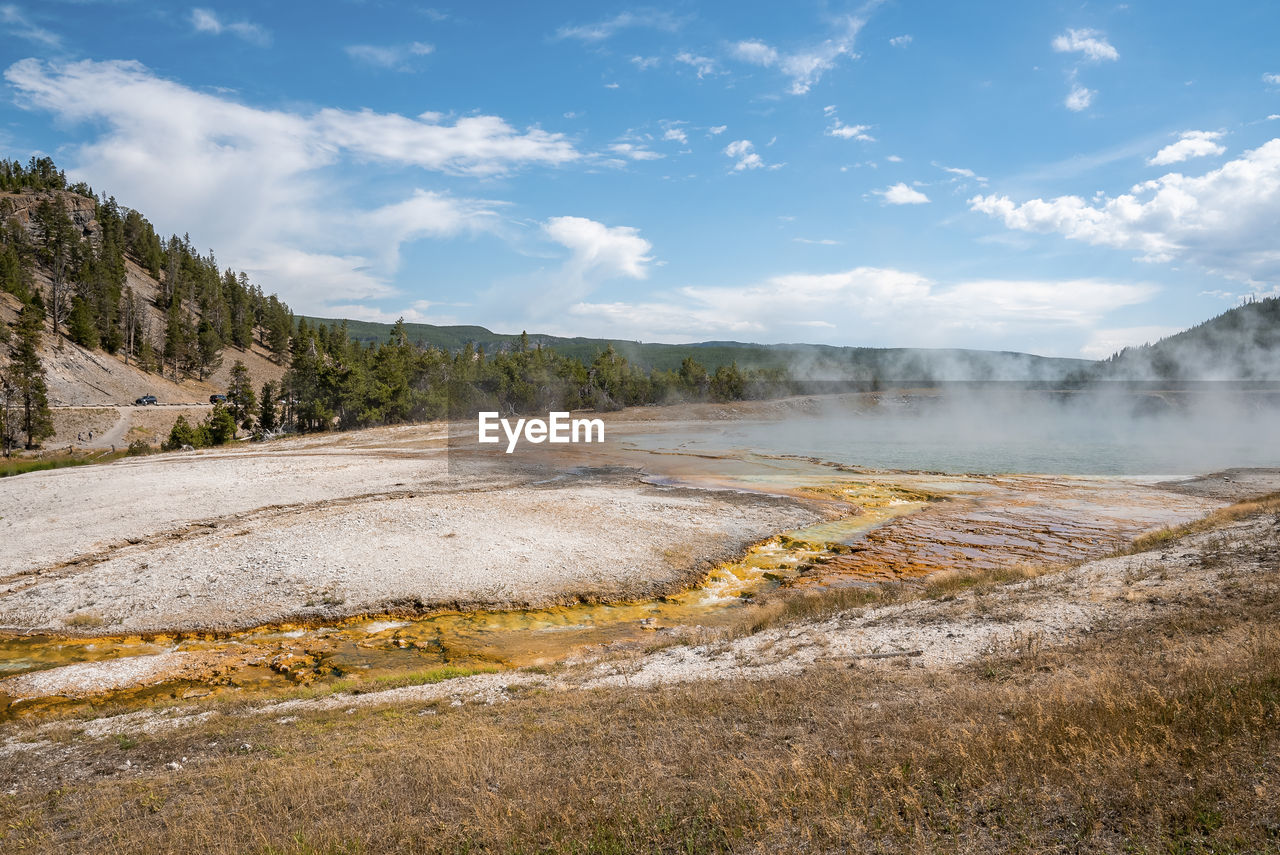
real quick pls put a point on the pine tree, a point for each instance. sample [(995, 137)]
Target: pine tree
[(57, 249), (26, 374), (80, 326), (175, 339), (267, 408), (240, 395)]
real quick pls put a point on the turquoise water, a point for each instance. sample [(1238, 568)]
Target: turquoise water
[(1029, 434)]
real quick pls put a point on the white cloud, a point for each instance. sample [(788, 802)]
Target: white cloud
[(1092, 44), (635, 152), (744, 153), (1079, 98), (843, 131), (755, 52), (900, 41), (819, 242), (472, 145), (1190, 144), (289, 224), (702, 65), (17, 23), (901, 194), (1222, 221), (893, 158), (207, 21), (1271, 79), (806, 65), (717, 130), (850, 132), (601, 251), (644, 63), (393, 57), (1105, 342), (884, 305), (675, 133), (603, 30), (961, 172)]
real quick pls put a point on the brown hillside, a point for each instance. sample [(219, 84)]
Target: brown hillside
[(78, 377)]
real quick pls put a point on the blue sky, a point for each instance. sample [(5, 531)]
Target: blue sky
[(1059, 178)]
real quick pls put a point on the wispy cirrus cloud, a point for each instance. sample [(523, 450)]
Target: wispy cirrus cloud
[(805, 65), (605, 29), (209, 22), (390, 57), (19, 24)]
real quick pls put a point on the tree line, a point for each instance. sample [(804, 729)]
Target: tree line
[(336, 383)]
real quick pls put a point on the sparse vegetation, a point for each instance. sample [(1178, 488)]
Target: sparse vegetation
[(1163, 737)]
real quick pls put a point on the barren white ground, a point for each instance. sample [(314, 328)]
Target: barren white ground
[(339, 526)]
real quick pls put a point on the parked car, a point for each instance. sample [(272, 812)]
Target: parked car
[(217, 399), (147, 401)]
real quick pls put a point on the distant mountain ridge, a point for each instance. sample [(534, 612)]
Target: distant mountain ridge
[(1240, 344), (811, 361)]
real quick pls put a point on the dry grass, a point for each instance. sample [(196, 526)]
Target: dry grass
[(1267, 504), (1161, 736), (787, 607), (1158, 738)]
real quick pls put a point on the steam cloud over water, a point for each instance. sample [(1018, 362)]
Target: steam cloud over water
[(1105, 429)]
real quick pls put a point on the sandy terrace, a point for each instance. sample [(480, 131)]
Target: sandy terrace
[(325, 527), (406, 553)]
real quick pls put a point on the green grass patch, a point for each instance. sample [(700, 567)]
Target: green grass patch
[(22, 465)]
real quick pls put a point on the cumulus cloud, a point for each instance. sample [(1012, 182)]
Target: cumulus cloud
[(884, 305), (252, 182), (208, 21), (1222, 221), (843, 131), (901, 194), (1190, 144), (747, 158), (599, 250), (806, 65), (900, 41), (672, 132), (393, 57), (1271, 79), (1091, 44), (1079, 98)]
